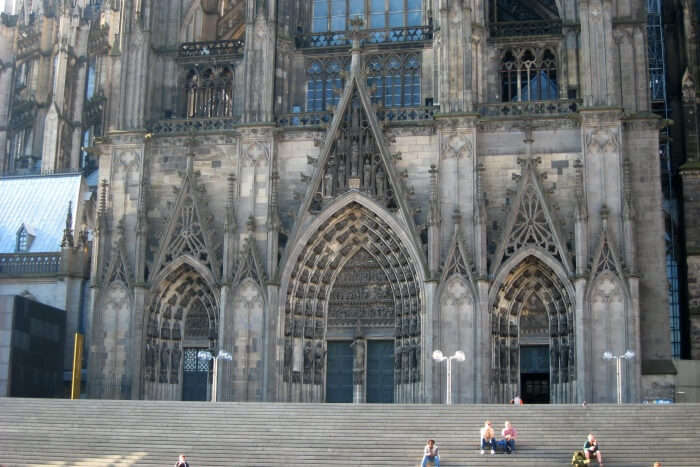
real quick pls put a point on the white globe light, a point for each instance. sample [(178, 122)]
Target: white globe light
[(438, 355), (607, 355), (459, 355), (629, 354)]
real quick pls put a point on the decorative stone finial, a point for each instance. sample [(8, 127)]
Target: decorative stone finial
[(67, 241)]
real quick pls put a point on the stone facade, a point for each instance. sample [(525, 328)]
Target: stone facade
[(438, 213)]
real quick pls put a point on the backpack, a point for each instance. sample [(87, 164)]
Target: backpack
[(579, 459)]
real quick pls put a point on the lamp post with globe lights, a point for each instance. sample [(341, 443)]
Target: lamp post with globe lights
[(207, 355), (438, 356), (618, 368)]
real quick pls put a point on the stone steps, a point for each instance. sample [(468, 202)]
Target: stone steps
[(149, 433)]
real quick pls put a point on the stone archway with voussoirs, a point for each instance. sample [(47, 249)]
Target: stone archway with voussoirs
[(532, 328), (182, 318), (352, 225)]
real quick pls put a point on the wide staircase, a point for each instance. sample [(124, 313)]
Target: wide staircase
[(121, 433)]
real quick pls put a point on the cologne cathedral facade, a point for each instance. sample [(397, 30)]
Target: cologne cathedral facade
[(332, 190)]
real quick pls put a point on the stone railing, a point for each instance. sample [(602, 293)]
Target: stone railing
[(304, 119), (194, 125), (524, 108), (525, 28), (408, 34), (406, 114), (210, 49), (384, 114), (16, 264)]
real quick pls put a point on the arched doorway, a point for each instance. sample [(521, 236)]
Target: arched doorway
[(532, 336), (182, 320), (361, 313), (353, 283)]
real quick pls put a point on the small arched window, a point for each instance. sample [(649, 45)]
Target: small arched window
[(25, 237), (209, 92), (529, 75)]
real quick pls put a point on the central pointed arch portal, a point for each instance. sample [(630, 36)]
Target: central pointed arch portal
[(352, 310)]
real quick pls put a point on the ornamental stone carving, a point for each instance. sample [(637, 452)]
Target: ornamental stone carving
[(602, 140)]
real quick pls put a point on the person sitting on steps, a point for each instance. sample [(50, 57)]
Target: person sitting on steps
[(488, 437), (431, 454), (591, 449), (182, 461), (509, 434)]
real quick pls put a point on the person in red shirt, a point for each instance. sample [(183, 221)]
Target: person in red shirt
[(509, 434)]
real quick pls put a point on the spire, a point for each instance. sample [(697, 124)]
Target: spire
[(273, 217), (230, 222), (67, 241), (434, 213)]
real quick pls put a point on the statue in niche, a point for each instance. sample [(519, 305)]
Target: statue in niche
[(309, 329), (328, 183), (319, 329), (150, 362), (405, 365), (288, 325), (164, 363), (165, 330), (367, 173), (288, 354), (319, 359), (380, 184), (308, 360), (152, 327), (563, 324), (177, 334), (341, 175), (175, 364), (297, 327), (414, 326)]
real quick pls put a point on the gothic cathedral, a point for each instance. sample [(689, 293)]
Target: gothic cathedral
[(332, 190)]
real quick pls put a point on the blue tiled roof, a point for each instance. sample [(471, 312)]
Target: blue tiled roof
[(40, 202)]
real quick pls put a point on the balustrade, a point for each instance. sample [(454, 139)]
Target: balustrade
[(516, 109), (30, 264), (525, 28), (410, 34)]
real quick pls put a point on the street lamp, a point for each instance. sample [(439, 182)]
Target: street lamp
[(618, 365), (438, 356), (207, 355)]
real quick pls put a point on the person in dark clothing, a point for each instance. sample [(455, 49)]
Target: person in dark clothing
[(182, 461)]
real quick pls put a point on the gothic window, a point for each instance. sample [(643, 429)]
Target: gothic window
[(23, 75), (324, 84), (21, 150), (209, 92), (24, 239), (335, 15), (395, 80), (529, 75)]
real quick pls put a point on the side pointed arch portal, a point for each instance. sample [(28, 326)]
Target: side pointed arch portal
[(532, 336)]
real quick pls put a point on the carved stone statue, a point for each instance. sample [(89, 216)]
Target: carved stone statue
[(175, 364), (288, 354), (164, 363)]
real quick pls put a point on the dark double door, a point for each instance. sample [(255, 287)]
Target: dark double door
[(534, 374), (195, 376), (379, 377)]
